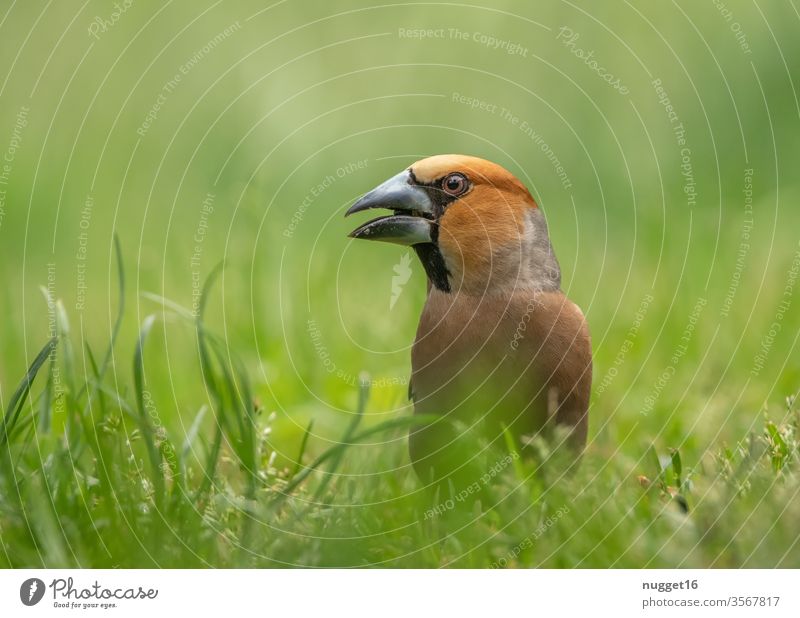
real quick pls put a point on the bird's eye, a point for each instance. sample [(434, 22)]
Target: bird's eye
[(454, 184)]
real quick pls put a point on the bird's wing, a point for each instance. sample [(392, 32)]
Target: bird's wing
[(564, 359)]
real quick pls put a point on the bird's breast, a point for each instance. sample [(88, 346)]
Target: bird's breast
[(496, 357)]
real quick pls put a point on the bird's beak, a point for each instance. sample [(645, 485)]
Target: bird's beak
[(412, 221)]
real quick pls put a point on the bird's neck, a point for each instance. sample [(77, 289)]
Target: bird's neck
[(541, 266), (435, 268), (529, 263)]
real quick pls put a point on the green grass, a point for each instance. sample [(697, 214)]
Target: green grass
[(90, 477), (270, 429)]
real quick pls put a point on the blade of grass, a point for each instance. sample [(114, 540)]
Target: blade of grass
[(303, 444), (101, 398), (46, 400), (118, 320), (677, 467), (210, 381), (139, 393), (120, 309), (194, 430), (519, 469), (18, 398)]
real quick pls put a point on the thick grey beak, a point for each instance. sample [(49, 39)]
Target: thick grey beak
[(410, 225)]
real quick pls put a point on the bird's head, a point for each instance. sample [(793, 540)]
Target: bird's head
[(473, 224)]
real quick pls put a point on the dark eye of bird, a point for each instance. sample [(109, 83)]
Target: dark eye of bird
[(454, 184)]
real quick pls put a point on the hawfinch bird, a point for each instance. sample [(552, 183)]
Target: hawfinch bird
[(499, 349)]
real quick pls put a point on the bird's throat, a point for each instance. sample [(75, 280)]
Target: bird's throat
[(433, 262)]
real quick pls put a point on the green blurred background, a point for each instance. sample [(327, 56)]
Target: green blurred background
[(283, 113)]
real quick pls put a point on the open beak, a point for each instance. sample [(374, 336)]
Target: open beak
[(412, 221)]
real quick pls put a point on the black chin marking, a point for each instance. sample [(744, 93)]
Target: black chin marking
[(429, 253), (433, 262)]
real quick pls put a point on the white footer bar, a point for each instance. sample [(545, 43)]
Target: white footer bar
[(401, 594)]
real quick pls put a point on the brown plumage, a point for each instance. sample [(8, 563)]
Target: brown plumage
[(498, 343)]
